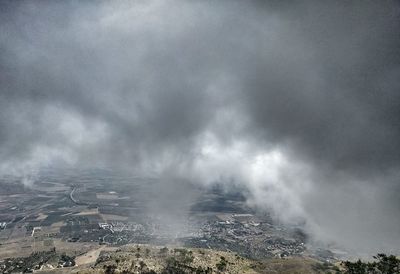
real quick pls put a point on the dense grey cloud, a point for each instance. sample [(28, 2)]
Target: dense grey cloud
[(298, 102)]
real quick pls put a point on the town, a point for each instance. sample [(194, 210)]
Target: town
[(74, 213)]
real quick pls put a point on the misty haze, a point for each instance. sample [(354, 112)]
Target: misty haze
[(199, 136)]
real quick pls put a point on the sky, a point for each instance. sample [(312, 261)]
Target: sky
[(297, 102)]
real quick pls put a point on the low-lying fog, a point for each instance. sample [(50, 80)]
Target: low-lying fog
[(297, 104)]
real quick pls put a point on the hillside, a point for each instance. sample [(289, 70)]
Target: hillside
[(145, 259)]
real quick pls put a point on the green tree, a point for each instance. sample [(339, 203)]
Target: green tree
[(384, 264)]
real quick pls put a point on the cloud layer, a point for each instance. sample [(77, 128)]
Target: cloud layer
[(299, 103)]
